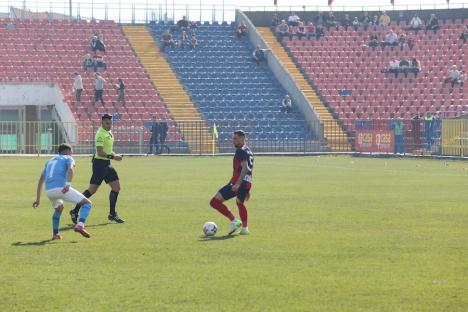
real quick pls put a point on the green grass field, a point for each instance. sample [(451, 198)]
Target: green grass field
[(328, 234)]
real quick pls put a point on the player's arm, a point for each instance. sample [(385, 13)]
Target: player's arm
[(40, 183), (243, 173), (101, 153), (71, 171)]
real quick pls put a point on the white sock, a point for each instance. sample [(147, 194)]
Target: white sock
[(81, 224)]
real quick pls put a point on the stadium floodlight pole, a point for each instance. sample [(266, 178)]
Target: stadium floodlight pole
[(71, 10)]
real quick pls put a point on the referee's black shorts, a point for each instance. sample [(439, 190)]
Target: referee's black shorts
[(102, 170)]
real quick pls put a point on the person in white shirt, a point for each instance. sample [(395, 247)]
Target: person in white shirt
[(453, 76), (394, 67), (293, 20), (99, 88), (391, 39), (416, 23), (78, 86), (356, 23)]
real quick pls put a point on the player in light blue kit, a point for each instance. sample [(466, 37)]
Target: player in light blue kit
[(58, 175)]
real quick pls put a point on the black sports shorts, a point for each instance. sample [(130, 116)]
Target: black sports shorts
[(102, 170), (242, 192)]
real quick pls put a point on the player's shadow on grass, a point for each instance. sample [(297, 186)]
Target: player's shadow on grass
[(70, 226), (62, 229), (40, 243), (214, 238)]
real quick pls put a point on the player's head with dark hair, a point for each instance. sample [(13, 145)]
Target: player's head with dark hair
[(238, 138), (65, 149), (106, 121)]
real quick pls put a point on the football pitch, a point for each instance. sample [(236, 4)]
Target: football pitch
[(328, 234)]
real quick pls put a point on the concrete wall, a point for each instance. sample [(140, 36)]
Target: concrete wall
[(283, 76), (20, 95)]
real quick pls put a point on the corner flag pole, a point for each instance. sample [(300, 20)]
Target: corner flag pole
[(215, 137)]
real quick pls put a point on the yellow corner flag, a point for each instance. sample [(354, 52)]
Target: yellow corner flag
[(215, 131), (215, 137)]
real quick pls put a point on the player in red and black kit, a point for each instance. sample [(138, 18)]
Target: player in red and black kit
[(239, 186)]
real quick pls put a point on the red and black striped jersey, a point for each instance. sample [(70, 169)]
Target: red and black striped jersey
[(242, 154)]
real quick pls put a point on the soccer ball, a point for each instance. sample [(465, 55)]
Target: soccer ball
[(210, 228)]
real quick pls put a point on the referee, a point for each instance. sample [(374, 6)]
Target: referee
[(103, 170)]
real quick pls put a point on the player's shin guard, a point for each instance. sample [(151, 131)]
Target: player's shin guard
[(55, 222), (112, 202), (87, 194), (218, 205), (243, 214), (84, 213)]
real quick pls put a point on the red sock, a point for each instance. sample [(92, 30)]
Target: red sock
[(218, 205), (243, 214)]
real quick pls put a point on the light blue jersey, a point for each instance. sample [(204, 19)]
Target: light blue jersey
[(56, 171)]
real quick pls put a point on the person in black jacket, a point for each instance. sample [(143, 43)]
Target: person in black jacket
[(163, 129), (153, 143)]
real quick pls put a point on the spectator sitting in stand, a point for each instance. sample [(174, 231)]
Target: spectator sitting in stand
[(319, 19), (301, 31), (402, 41), (98, 62), (241, 30), (384, 19), (404, 66), (461, 79), (293, 20), (259, 55), (167, 40), (292, 31), (183, 24), (283, 29), (464, 34), (275, 21), (87, 62), (375, 22), (416, 23), (331, 21), (194, 41), (366, 21), (415, 67), (391, 39), (373, 41), (432, 24), (356, 23), (410, 42), (394, 67), (319, 32), (346, 22), (453, 76), (184, 39), (193, 27), (286, 104), (97, 44)]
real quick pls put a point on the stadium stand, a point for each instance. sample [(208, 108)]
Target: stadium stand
[(51, 51), (343, 59), (228, 86)]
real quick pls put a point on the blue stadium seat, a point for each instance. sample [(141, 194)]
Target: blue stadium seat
[(228, 87)]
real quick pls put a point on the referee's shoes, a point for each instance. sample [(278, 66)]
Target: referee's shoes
[(115, 218)]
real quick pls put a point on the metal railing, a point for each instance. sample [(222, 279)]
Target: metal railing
[(186, 137), (146, 11), (397, 136)]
